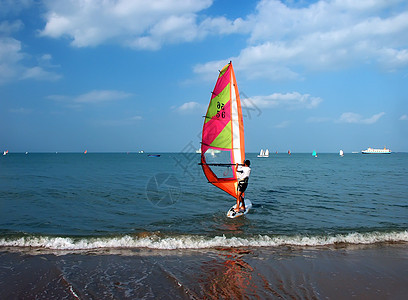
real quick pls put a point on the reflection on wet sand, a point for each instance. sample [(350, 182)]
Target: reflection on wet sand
[(230, 277)]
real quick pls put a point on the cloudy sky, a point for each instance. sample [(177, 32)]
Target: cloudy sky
[(126, 75)]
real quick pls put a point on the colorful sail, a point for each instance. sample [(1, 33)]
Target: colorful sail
[(223, 143)]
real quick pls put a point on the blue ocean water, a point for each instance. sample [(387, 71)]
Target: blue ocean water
[(99, 200)]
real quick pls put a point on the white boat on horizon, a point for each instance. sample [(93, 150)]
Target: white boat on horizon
[(263, 153), (213, 152), (341, 153), (370, 150), (5, 152)]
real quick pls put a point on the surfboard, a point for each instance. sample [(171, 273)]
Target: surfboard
[(233, 214)]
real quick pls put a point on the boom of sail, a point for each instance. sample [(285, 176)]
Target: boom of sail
[(222, 144)]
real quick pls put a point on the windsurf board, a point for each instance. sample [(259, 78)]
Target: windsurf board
[(233, 214)]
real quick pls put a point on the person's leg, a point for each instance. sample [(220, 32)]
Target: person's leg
[(242, 195), (242, 207), (239, 193)]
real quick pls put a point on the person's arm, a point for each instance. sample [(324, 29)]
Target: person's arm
[(239, 172)]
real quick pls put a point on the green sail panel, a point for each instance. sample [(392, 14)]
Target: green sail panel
[(223, 140), (218, 102)]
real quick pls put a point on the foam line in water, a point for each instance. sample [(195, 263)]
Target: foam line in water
[(199, 242)]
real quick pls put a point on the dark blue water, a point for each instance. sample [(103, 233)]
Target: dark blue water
[(132, 200)]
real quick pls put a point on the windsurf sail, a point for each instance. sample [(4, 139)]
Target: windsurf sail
[(222, 144)]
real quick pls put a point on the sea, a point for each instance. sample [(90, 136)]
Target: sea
[(112, 213)]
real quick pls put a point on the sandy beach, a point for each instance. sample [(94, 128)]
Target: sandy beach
[(337, 272)]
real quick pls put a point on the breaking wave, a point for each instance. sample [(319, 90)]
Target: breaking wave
[(155, 241)]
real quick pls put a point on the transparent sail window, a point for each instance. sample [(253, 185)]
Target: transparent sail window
[(220, 162)]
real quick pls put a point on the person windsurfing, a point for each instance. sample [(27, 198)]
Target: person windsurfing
[(243, 173)]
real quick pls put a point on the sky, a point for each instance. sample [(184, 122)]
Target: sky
[(131, 75)]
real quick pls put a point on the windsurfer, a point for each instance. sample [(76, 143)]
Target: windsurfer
[(243, 173)]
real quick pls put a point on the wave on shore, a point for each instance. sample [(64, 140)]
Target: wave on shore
[(155, 241)]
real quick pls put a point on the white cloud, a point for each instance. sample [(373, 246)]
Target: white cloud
[(350, 117), (209, 70), (404, 118), (7, 28), (283, 124), (141, 24), (20, 110), (10, 57), (318, 120), (14, 63), (92, 97), (12, 7), (285, 41), (13, 68), (190, 107), (293, 100), (39, 73), (98, 96)]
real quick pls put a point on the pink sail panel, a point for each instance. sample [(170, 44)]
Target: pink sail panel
[(214, 127), (224, 78)]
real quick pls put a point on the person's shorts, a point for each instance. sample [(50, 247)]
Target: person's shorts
[(242, 186)]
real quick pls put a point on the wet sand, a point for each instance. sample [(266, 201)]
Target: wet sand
[(341, 272)]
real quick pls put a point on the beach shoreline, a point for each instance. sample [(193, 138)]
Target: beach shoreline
[(377, 271)]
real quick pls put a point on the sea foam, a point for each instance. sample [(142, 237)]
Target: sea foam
[(199, 242)]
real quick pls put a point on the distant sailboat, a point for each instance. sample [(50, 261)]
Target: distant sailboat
[(86, 151), (314, 153), (214, 152), (289, 152), (263, 153), (5, 152), (341, 153)]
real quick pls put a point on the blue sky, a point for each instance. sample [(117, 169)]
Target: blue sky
[(128, 75)]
